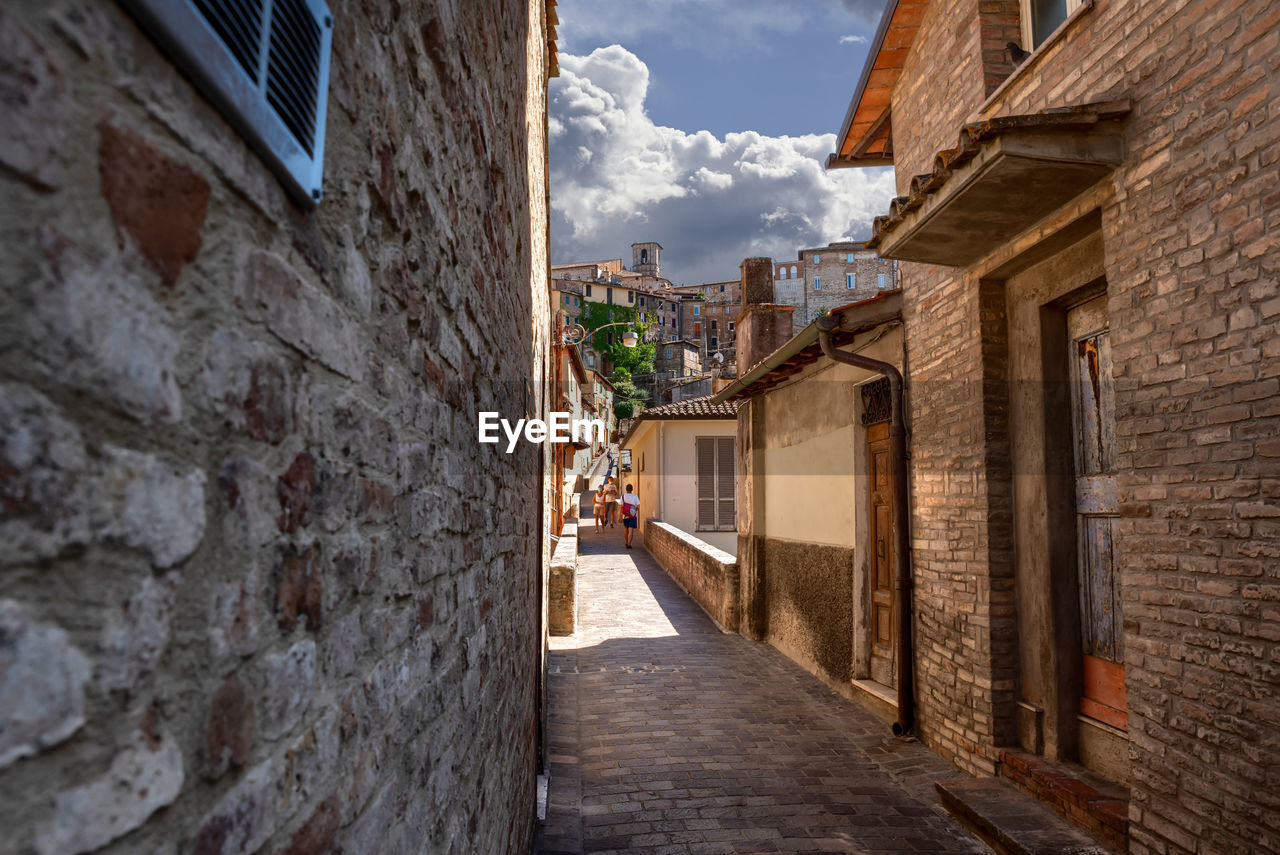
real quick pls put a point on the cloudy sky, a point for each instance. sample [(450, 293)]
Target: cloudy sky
[(704, 125)]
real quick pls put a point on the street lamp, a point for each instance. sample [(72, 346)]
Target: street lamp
[(575, 333)]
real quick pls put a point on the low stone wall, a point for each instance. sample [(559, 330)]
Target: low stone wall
[(562, 584), (708, 574)]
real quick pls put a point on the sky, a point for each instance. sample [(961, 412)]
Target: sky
[(704, 125)]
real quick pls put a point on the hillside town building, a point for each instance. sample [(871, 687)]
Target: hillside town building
[(821, 278)]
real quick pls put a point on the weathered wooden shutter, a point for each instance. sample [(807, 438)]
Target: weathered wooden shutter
[(725, 511)]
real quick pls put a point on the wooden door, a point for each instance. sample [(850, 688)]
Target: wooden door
[(1093, 419), (882, 624)]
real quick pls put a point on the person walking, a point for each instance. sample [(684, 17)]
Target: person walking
[(630, 514), (599, 504), (611, 499)]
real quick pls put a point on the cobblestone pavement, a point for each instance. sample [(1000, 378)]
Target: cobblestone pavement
[(668, 736)]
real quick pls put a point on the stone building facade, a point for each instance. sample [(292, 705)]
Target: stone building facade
[(822, 278), (1094, 573), (243, 602)]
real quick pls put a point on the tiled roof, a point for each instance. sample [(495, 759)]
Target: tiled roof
[(693, 408), (973, 135)]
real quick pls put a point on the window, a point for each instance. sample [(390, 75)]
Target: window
[(880, 280), (816, 260), (667, 353), (609, 338), (721, 289), (730, 326), (1041, 17), (608, 295), (713, 343), (588, 287), (782, 273), (793, 271), (631, 297), (716, 477), (851, 280), (697, 310), (713, 323), (817, 283), (577, 302), (267, 71), (849, 258)]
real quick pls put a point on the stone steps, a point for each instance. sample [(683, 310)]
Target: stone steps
[(1011, 822)]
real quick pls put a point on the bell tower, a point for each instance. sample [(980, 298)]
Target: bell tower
[(647, 258)]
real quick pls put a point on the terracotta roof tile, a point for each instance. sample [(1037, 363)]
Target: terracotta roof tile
[(693, 408)]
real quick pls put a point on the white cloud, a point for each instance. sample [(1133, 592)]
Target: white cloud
[(711, 26), (853, 40), (617, 178)]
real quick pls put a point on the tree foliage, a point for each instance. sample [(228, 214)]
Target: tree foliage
[(636, 360), (626, 395)]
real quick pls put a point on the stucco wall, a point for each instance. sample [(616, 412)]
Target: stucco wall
[(810, 515), (261, 589), (815, 451), (680, 474)]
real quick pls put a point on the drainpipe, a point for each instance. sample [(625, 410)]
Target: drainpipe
[(901, 520)]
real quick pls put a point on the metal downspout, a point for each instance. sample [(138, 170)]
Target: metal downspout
[(901, 520)]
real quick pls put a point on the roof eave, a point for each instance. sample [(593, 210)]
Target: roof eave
[(876, 44)]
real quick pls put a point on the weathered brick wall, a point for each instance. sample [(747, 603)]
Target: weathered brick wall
[(939, 86), (259, 588), (1189, 227), (709, 575), (963, 596)]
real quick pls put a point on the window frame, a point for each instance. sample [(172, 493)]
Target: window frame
[(720, 461)]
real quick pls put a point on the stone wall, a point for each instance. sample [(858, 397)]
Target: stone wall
[(562, 583), (256, 590), (707, 574), (832, 271), (1187, 226)]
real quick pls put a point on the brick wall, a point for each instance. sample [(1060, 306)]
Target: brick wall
[(1193, 265), (260, 590), (709, 575)]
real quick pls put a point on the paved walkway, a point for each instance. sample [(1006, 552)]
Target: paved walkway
[(668, 736)]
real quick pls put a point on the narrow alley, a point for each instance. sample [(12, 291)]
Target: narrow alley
[(668, 735)]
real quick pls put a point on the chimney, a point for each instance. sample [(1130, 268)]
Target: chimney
[(763, 325)]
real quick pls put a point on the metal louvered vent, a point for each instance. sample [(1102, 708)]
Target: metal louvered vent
[(239, 24), (265, 65), (292, 65)]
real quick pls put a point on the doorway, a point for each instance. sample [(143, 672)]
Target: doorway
[(881, 625)]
